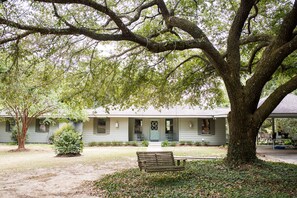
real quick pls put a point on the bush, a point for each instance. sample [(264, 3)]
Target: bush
[(165, 143), (190, 143), (67, 141), (93, 144), (133, 143), (51, 139), (172, 143), (145, 143), (197, 144), (182, 143)]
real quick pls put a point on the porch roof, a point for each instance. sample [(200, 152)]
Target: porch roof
[(173, 112), (286, 108)]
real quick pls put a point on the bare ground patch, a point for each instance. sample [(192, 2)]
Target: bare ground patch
[(71, 181)]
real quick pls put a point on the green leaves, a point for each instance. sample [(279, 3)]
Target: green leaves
[(67, 141), (204, 179)]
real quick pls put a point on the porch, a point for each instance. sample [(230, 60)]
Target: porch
[(153, 129)]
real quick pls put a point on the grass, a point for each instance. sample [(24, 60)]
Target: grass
[(205, 179), (43, 155)]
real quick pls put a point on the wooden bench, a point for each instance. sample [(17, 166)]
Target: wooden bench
[(160, 161)]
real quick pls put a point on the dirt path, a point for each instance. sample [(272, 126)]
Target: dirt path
[(72, 181)]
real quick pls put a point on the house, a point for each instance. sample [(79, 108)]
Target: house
[(174, 124)]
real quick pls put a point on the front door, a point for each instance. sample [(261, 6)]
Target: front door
[(154, 130)]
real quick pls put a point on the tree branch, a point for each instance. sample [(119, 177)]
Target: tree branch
[(256, 38), (274, 55), (233, 41), (276, 97), (288, 25), (253, 55), (252, 16), (18, 37), (183, 62), (41, 30), (192, 29), (96, 6)]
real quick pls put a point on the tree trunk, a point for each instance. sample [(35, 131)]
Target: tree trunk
[(21, 144), (243, 130), (22, 137)]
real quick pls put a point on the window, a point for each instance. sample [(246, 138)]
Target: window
[(206, 126), (42, 125), (168, 125), (101, 125), (138, 126), (9, 124)]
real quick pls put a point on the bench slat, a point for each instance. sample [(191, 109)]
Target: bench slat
[(160, 161)]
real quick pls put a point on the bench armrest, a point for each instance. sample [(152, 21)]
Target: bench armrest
[(142, 163)]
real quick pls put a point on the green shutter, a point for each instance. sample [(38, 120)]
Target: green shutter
[(199, 126), (107, 126), (212, 127)]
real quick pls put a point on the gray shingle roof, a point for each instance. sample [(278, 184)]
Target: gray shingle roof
[(286, 108), (150, 112)]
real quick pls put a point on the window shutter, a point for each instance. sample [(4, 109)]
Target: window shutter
[(199, 126), (37, 125), (107, 127), (212, 127), (7, 127), (95, 124)]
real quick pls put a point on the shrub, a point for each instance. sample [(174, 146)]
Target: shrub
[(67, 141), (172, 143), (133, 143), (51, 139), (182, 143), (145, 143), (197, 144), (93, 144), (288, 142), (190, 143), (115, 143), (100, 143), (165, 143)]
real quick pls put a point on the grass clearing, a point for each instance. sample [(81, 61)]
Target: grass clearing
[(205, 179), (43, 155)]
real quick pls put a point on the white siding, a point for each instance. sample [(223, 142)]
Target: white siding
[(33, 136), (191, 134), (115, 134), (4, 136)]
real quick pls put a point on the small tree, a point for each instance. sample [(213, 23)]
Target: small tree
[(27, 91)]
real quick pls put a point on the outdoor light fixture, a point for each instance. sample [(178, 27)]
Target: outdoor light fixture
[(190, 124), (117, 124)]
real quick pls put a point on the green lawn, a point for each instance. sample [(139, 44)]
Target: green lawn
[(205, 179)]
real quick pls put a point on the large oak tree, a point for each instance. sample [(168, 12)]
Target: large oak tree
[(243, 42)]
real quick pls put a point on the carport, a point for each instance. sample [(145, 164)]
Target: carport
[(286, 109)]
